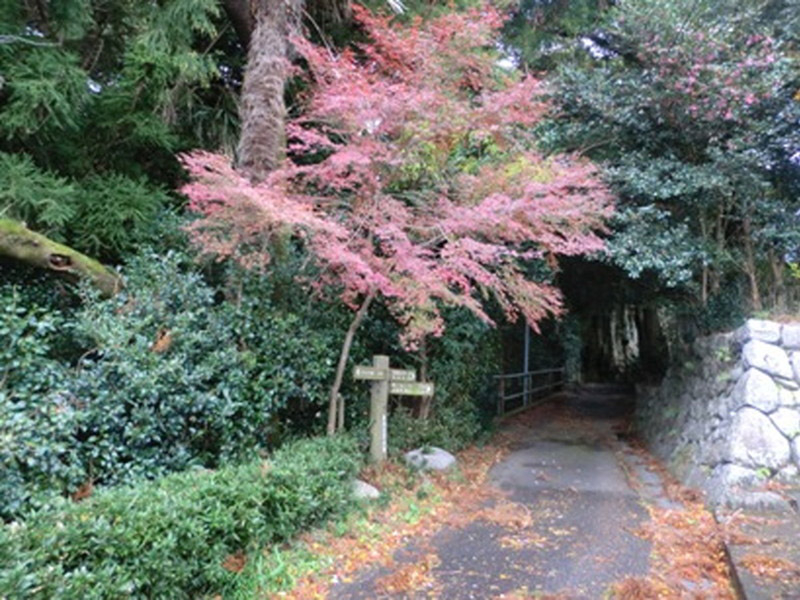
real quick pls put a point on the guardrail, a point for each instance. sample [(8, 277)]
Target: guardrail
[(516, 391)]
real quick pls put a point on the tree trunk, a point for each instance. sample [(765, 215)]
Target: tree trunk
[(715, 275), (779, 289), (340, 422), (343, 356), (241, 18), (262, 143), (704, 272), (750, 263), (20, 243), (264, 28)]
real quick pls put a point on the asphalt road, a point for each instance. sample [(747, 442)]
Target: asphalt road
[(569, 476)]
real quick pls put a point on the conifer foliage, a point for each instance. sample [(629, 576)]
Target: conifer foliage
[(412, 178)]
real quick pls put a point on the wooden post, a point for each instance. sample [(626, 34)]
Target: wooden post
[(379, 401), (386, 381)]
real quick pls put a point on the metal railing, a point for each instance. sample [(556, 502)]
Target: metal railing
[(517, 391)]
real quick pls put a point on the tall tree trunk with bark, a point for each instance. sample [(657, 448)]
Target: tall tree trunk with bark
[(426, 401), (704, 274), (264, 28), (716, 280), (262, 143), (750, 266), (779, 301)]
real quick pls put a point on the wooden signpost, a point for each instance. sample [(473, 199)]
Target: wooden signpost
[(385, 381)]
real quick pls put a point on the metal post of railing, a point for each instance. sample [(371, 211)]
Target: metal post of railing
[(526, 366), (521, 387), (528, 388)]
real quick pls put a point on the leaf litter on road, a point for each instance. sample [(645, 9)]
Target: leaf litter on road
[(687, 559)]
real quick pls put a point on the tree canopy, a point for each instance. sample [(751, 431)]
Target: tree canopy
[(689, 105), (96, 99), (413, 177)]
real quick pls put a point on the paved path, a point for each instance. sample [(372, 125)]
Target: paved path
[(765, 552), (569, 477)]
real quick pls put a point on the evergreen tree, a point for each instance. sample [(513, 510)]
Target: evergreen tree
[(96, 99), (690, 105)]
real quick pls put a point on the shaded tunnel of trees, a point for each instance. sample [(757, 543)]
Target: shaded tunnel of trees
[(614, 329)]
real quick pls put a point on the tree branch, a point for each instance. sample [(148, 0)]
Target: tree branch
[(20, 243)]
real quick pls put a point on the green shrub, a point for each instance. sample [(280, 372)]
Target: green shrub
[(163, 389), (168, 375), (462, 363), (450, 426), (36, 417), (170, 538), (290, 353)]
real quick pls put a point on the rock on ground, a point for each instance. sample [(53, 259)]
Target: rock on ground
[(364, 491), (434, 459)]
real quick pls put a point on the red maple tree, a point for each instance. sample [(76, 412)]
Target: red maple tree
[(411, 177)]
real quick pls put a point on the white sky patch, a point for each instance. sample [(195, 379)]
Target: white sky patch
[(595, 49), (33, 32), (373, 124), (507, 64), (509, 58), (552, 47)]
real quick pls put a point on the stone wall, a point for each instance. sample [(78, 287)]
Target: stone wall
[(727, 420)]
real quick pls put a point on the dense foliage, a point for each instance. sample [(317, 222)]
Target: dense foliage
[(412, 179), (184, 536), (172, 375), (161, 378), (423, 176), (689, 105), (543, 34), (96, 98), (462, 363), (36, 451)]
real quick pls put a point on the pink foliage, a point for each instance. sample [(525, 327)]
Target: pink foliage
[(378, 187)]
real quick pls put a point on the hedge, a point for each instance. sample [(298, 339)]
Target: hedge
[(178, 537)]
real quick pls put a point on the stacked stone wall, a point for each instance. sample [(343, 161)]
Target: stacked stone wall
[(727, 420)]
